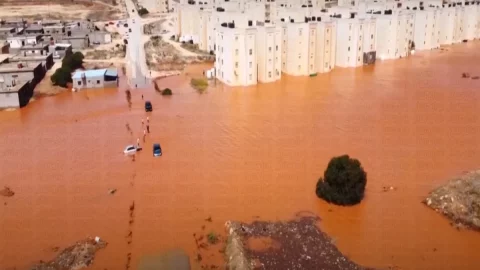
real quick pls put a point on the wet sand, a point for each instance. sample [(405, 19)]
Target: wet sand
[(236, 153)]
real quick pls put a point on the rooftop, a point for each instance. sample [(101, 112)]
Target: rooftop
[(13, 67), (14, 89), (89, 73), (6, 29), (33, 46), (19, 58), (34, 27), (56, 26)]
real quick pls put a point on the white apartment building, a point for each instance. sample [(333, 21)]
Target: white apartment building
[(478, 20), (298, 55), (424, 29), (356, 41), (236, 55), (458, 33), (447, 25), (470, 22), (326, 43), (394, 34), (189, 16), (269, 53)]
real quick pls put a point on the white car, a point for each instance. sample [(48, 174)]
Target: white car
[(130, 149)]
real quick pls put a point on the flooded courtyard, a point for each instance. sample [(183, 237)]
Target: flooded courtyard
[(242, 153)]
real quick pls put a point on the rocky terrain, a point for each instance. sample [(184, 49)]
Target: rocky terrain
[(459, 200), (78, 256), (296, 244)]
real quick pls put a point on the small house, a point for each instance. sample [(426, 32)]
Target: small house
[(96, 78), (6, 32), (46, 59), (60, 49), (54, 29), (12, 74), (19, 41), (78, 42), (100, 37), (15, 97), (34, 29), (34, 49)]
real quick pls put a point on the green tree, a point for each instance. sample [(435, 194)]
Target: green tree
[(344, 181), (73, 61), (167, 92), (61, 77), (142, 11)]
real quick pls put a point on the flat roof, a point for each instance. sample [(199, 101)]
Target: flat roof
[(3, 57), (13, 67), (5, 29), (14, 89), (19, 58), (33, 46), (111, 72), (34, 27), (53, 26), (66, 45), (23, 36), (89, 73)]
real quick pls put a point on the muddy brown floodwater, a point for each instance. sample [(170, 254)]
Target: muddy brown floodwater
[(236, 153)]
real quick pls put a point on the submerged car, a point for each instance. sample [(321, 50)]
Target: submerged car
[(130, 149), (157, 150), (148, 106)]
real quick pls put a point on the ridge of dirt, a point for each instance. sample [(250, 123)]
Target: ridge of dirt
[(459, 200)]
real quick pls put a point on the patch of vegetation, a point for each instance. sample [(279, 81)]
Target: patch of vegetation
[(166, 92), (199, 84), (212, 238), (142, 11), (62, 77), (73, 61), (344, 181), (156, 40)]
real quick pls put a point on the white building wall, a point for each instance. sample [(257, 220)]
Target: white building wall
[(189, 23), (388, 30), (326, 45), (295, 48), (352, 37), (447, 25), (470, 22), (269, 57), (9, 100), (458, 34), (424, 29), (236, 56)]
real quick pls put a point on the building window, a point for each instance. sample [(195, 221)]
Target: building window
[(371, 36), (276, 71), (236, 52), (79, 83), (326, 64), (236, 38), (359, 48), (250, 51), (348, 48), (349, 38), (236, 64), (250, 76), (98, 81), (269, 74), (299, 67), (250, 65), (300, 32), (358, 59), (269, 49), (276, 48), (311, 67)]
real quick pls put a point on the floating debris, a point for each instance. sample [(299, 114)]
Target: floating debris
[(6, 192)]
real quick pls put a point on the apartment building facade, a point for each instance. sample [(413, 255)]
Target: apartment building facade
[(236, 55), (424, 30), (356, 42), (326, 43), (298, 48), (269, 53), (447, 24)]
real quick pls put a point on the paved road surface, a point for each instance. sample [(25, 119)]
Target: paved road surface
[(136, 63)]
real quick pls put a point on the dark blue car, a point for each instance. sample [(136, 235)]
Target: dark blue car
[(148, 106), (157, 150)]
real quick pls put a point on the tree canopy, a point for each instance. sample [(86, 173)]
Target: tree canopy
[(344, 181), (62, 76), (73, 61)]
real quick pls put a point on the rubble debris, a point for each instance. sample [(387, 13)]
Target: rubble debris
[(78, 256), (459, 200), (6, 192), (273, 248)]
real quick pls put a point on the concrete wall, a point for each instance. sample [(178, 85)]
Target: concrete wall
[(90, 82), (9, 100), (269, 53)]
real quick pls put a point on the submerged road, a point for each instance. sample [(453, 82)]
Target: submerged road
[(136, 63)]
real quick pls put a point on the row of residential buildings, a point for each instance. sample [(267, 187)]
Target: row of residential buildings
[(257, 41), (28, 51)]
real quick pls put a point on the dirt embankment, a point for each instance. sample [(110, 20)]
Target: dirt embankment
[(459, 200), (113, 52), (78, 256), (163, 56), (296, 244)]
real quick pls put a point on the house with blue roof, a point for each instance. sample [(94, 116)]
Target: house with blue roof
[(95, 78)]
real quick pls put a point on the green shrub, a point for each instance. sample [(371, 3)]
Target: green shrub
[(73, 61), (344, 181), (61, 77), (199, 84), (167, 92), (142, 11)]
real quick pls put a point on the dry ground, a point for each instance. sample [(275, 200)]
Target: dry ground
[(459, 200), (61, 9)]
